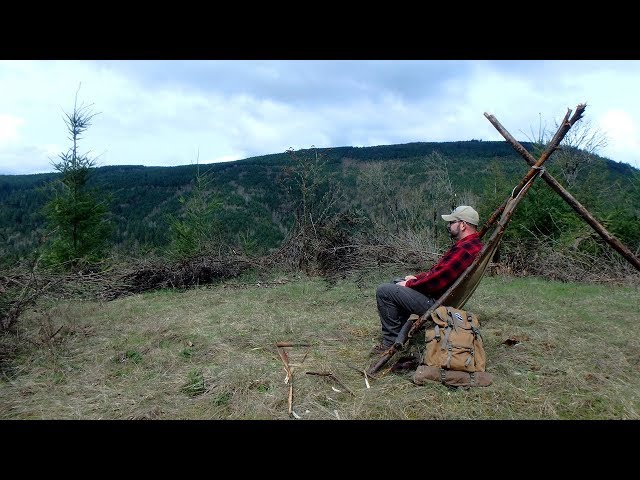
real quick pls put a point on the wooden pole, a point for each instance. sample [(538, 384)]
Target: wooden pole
[(581, 210), (410, 327)]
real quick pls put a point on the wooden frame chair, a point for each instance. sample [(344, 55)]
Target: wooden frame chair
[(460, 291)]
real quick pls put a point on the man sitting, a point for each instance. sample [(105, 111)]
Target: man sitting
[(415, 294)]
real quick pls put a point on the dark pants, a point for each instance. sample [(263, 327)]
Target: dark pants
[(395, 305)]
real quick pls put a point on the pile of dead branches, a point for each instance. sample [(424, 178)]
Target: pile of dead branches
[(548, 260), (18, 292), (340, 248), (158, 273), (22, 287)]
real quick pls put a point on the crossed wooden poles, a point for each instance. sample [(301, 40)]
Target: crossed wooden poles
[(464, 286)]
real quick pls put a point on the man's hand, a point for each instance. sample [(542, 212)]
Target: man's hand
[(404, 282)]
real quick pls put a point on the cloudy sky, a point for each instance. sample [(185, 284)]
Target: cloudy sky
[(180, 112)]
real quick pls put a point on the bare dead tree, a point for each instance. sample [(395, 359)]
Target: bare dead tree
[(576, 153)]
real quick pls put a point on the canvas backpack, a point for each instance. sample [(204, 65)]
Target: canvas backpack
[(454, 351)]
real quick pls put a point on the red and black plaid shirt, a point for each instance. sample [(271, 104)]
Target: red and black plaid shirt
[(441, 276)]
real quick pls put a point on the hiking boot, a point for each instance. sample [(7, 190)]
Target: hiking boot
[(378, 350)]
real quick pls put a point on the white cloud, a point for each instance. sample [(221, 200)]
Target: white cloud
[(9, 129), (621, 131), (171, 112)]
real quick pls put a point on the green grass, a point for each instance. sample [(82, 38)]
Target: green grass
[(210, 353)]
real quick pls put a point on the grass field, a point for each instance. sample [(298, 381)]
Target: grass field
[(210, 353)]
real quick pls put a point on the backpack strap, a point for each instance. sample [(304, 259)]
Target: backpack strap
[(451, 319), (445, 340), (476, 332), (474, 329), (449, 355), (468, 361), (446, 345), (450, 323)]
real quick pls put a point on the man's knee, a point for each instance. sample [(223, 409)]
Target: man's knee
[(383, 290)]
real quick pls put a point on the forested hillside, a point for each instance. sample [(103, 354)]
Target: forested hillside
[(392, 187)]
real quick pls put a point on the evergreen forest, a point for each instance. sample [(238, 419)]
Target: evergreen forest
[(391, 190)]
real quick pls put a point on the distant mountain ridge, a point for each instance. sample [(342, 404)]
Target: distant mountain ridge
[(141, 197)]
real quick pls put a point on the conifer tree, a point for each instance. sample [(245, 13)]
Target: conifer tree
[(195, 230), (75, 217)]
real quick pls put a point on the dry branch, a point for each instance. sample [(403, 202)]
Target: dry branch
[(290, 398), (363, 372), (553, 183), (332, 376), (285, 360), (289, 379)]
